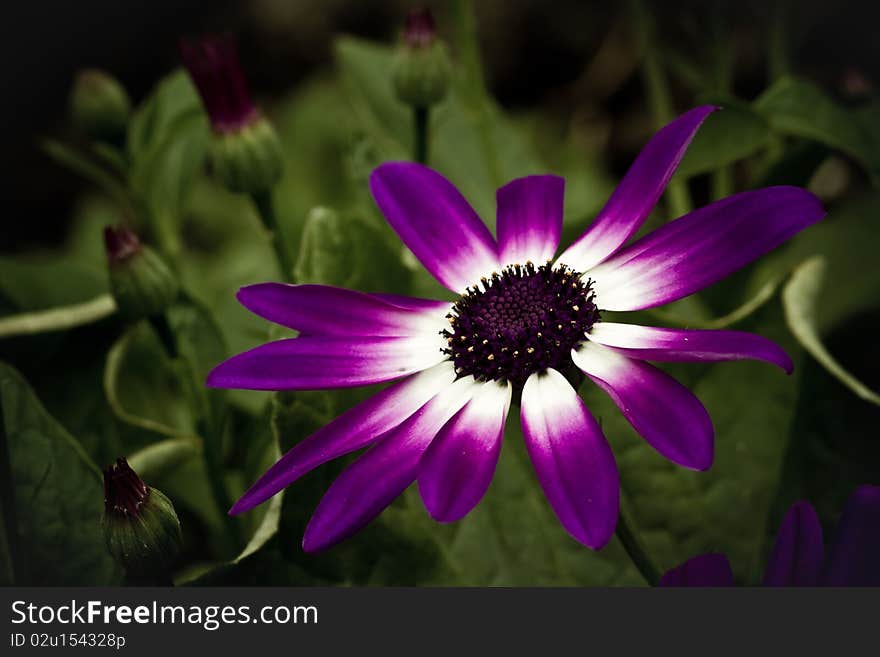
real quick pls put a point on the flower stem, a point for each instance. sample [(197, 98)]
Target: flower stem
[(420, 143), (208, 426), (266, 211), (165, 334), (659, 98), (635, 548), (474, 86)]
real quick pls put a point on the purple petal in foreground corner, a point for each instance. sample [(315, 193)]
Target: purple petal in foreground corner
[(700, 248), (316, 363), (854, 559), (457, 467), (372, 482), (663, 411), (637, 193), (572, 459), (436, 222), (529, 219), (327, 310), (688, 345), (356, 428), (704, 570), (799, 551)]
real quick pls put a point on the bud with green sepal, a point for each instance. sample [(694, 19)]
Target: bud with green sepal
[(100, 106), (248, 161), (421, 68), (140, 525), (246, 155), (140, 281)]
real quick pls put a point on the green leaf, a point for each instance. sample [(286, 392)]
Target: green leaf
[(801, 298), (168, 141), (39, 282), (174, 96), (144, 388), (58, 495), (848, 239), (345, 252), (58, 319), (800, 108), (154, 460), (86, 167), (729, 135), (681, 513), (833, 446)]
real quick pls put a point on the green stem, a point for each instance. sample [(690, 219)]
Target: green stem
[(657, 89), (266, 210), (474, 84), (209, 428), (635, 548), (420, 148), (721, 179), (164, 230), (58, 319), (777, 47), (166, 335)]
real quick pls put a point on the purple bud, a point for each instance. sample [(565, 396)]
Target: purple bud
[(140, 525), (124, 492), (213, 65), (141, 282), (420, 29)]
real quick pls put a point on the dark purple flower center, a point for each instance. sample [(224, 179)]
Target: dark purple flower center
[(124, 492), (520, 321)]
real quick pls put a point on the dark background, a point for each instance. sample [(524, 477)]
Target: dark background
[(535, 53)]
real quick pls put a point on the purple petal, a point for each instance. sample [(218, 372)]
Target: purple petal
[(637, 193), (572, 459), (663, 411), (326, 310), (372, 482), (799, 551), (313, 363), (855, 555), (436, 222), (456, 469), (704, 570), (529, 219), (356, 428), (702, 247), (411, 303), (687, 345)]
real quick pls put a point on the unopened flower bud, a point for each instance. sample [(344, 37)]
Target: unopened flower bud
[(140, 525), (99, 106), (421, 68), (140, 281), (246, 155)]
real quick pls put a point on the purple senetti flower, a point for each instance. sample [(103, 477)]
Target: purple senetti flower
[(213, 65), (798, 557), (521, 328)]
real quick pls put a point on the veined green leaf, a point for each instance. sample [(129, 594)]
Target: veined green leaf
[(57, 492)]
